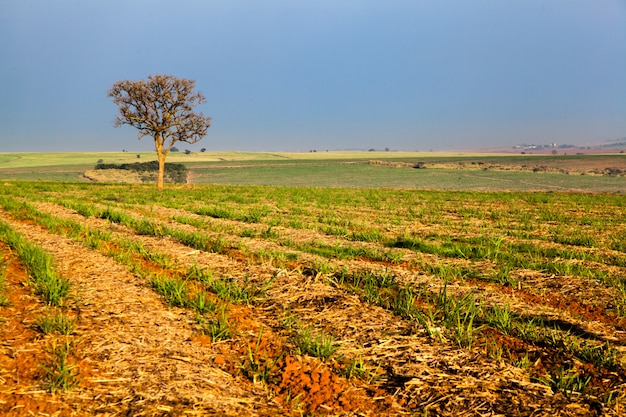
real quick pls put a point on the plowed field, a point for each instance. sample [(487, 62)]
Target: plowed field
[(262, 301)]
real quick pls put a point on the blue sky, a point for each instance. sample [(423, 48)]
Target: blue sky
[(326, 74)]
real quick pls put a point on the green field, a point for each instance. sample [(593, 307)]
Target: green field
[(348, 169), (314, 300), (375, 283)]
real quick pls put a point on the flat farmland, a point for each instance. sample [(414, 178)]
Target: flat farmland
[(274, 300), (438, 171)]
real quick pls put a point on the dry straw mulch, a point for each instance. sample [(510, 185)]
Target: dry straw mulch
[(142, 354), (146, 358)]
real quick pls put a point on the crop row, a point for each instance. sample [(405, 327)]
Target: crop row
[(553, 247), (211, 298), (428, 261), (58, 359)]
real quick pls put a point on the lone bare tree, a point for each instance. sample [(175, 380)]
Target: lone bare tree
[(161, 107)]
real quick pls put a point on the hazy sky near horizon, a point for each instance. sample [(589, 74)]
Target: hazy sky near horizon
[(326, 74)]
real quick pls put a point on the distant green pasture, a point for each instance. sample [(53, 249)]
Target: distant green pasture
[(325, 169), (372, 176)]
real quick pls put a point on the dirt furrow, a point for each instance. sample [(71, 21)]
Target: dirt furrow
[(410, 378), (142, 353), (579, 297)]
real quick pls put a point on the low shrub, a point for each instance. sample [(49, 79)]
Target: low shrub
[(174, 173)]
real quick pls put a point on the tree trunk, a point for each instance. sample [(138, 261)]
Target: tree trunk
[(161, 154), (161, 171)]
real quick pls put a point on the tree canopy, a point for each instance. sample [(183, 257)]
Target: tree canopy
[(161, 107)]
